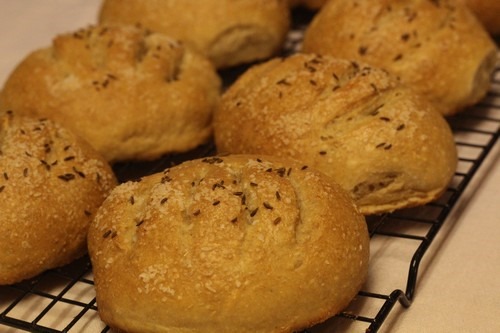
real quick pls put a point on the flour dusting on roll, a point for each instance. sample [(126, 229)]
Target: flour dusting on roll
[(375, 137)]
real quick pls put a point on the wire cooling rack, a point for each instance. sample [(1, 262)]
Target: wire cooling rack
[(63, 299)]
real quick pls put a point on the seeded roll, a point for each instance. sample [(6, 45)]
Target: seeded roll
[(227, 244), (437, 47), (375, 137), (51, 184), (228, 32), (132, 94)]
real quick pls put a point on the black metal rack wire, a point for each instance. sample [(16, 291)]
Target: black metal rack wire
[(63, 299)]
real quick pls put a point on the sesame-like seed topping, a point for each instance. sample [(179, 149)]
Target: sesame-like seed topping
[(219, 184), (78, 172), (66, 177), (277, 220), (165, 179), (216, 202), (278, 196), (253, 212), (267, 205), (283, 82), (45, 164), (281, 171), (212, 160), (197, 212)]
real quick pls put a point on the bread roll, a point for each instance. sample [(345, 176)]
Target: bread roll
[(488, 13), (359, 125), (311, 4), (134, 95), (228, 32), (438, 47), (227, 244), (51, 184)]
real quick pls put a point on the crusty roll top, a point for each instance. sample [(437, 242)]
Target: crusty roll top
[(51, 184), (131, 93), (356, 123), (438, 47)]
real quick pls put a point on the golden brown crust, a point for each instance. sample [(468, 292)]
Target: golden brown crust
[(130, 93), (227, 244), (488, 13), (438, 47), (51, 184), (357, 124), (227, 32)]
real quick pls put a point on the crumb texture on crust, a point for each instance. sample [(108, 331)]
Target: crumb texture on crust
[(227, 244), (417, 40), (355, 123), (227, 32), (51, 184), (132, 94)]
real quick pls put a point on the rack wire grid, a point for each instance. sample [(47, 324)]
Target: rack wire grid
[(69, 291)]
